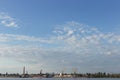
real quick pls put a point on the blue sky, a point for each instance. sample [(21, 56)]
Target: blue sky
[(42, 34)]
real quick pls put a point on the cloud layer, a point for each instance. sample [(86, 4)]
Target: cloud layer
[(7, 20), (73, 45)]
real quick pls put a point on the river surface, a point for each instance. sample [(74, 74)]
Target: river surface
[(59, 78)]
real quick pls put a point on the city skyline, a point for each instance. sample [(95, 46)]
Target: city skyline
[(59, 35)]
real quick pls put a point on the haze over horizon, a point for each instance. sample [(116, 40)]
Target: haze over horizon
[(59, 35)]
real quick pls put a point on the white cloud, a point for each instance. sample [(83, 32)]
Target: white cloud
[(7, 20), (13, 37), (75, 46), (70, 32)]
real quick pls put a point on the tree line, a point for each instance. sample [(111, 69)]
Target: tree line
[(98, 75)]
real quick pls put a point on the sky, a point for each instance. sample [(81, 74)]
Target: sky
[(59, 35)]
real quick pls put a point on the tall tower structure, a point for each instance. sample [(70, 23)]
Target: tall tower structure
[(23, 70), (40, 71)]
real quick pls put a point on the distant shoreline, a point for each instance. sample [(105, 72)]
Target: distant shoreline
[(63, 75)]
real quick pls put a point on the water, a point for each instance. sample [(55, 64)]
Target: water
[(59, 79)]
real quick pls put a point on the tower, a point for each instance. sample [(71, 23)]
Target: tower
[(23, 70), (40, 71)]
